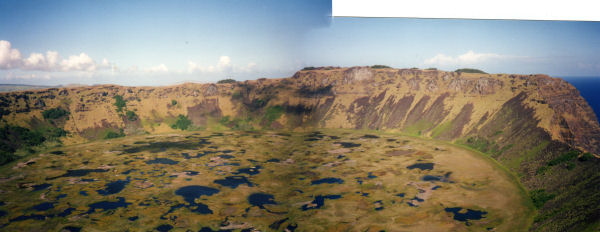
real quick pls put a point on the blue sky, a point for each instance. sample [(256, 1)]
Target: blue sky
[(169, 42)]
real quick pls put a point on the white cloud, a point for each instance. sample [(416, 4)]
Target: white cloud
[(9, 57), (82, 62), (468, 58), (159, 68), (224, 65)]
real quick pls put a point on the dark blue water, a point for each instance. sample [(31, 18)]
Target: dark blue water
[(43, 206), (234, 181), (41, 187), (588, 88), (164, 228), (113, 187), (2, 213), (78, 173), (83, 193), (162, 161), (190, 193), (134, 218), (24, 217), (319, 201), (71, 228), (250, 171), (329, 180), (66, 212), (469, 215), (422, 166), (260, 199), (108, 205)]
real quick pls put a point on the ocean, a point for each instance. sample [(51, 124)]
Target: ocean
[(589, 88)]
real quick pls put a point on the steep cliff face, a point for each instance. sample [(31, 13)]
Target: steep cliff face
[(523, 121)]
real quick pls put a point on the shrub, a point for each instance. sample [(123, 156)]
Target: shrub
[(470, 70), (112, 134), (540, 197), (586, 157), (378, 66), (273, 113), (308, 68), (565, 157), (120, 103), (55, 113), (131, 116), (173, 102), (225, 81), (182, 123), (432, 69)]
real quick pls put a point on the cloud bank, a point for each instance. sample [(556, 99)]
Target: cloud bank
[(469, 58), (11, 58)]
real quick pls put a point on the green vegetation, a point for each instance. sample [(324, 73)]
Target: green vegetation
[(182, 123), (273, 113), (173, 102), (120, 103), (113, 134), (226, 81), (470, 70), (379, 66), (13, 138), (236, 123), (586, 157), (431, 69), (442, 128), (55, 113), (131, 116), (308, 68), (539, 197), (565, 157), (541, 170)]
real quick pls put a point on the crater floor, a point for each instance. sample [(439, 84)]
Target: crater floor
[(335, 180)]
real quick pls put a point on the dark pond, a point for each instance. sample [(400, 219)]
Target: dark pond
[(26, 217), (348, 144), (371, 176), (164, 228), (66, 212), (329, 180), (436, 187), (43, 206), (61, 196), (275, 225), (273, 160), (370, 137), (162, 161), (422, 166), (71, 228), (134, 218), (319, 201), (2, 203), (3, 213), (191, 173), (83, 193), (108, 205), (163, 146), (444, 178), (260, 199), (234, 181), (190, 193), (401, 194), (468, 215), (41, 186), (379, 204), (113, 187), (418, 199), (128, 171), (57, 152), (78, 173), (250, 171), (226, 156)]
